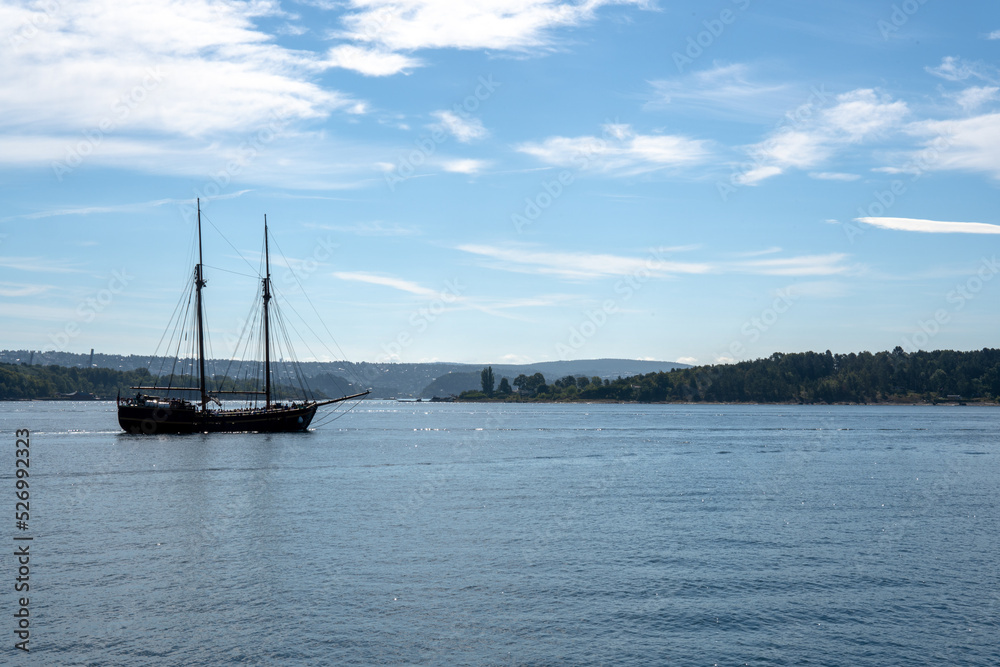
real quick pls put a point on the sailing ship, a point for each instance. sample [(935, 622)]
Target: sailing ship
[(150, 414)]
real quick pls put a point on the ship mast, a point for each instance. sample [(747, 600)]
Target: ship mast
[(200, 282), (267, 323)]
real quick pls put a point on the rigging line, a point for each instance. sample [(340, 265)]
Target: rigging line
[(179, 330), (173, 315), (217, 268), (239, 340), (288, 351), (297, 372), (205, 217), (349, 366), (172, 324), (338, 414), (310, 331), (329, 333)]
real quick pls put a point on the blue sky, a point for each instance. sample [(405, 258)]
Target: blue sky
[(506, 181)]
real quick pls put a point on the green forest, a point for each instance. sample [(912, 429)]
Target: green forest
[(807, 377)]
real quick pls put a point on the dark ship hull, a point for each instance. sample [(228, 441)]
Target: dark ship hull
[(162, 416)]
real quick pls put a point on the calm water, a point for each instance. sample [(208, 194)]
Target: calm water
[(449, 534)]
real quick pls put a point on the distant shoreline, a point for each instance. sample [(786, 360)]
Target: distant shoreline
[(971, 403)]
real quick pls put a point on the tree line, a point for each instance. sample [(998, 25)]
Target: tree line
[(806, 377)]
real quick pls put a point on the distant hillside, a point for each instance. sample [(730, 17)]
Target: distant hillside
[(452, 384), (384, 379)]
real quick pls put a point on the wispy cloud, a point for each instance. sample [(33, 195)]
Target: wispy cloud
[(158, 86), (386, 27), (969, 144), (590, 266), (576, 266), (387, 281), (858, 116), (620, 150), (974, 97), (206, 65), (370, 62), (465, 129), (373, 228), (805, 265), (118, 208), (497, 307), (931, 226), (37, 265), (464, 166), (20, 290), (757, 253), (833, 176), (726, 89), (953, 68)]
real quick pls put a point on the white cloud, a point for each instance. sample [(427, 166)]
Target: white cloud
[(960, 69), (116, 208), (994, 35), (590, 266), (620, 150), (464, 166), (834, 176), (158, 85), (37, 264), (969, 144), (577, 266), (931, 226), (861, 114), (726, 89), (171, 67), (858, 116), (370, 62), (387, 281), (464, 129), (374, 228), (974, 97), (691, 361), (411, 25), (805, 265), (20, 289), (495, 307)]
